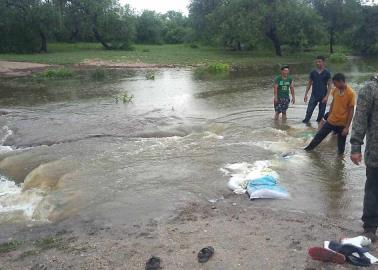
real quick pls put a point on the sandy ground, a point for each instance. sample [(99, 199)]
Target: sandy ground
[(118, 64), (17, 69), (243, 237), (8, 68)]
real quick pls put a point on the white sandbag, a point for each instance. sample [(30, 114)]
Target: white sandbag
[(266, 187)]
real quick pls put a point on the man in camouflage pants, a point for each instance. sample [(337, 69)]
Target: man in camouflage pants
[(366, 123)]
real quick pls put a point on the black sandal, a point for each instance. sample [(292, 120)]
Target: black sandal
[(205, 254), (153, 263)]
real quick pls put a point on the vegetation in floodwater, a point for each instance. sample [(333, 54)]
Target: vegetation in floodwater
[(211, 71), (98, 74), (58, 73), (124, 97), (338, 58), (218, 68), (150, 76), (9, 246)]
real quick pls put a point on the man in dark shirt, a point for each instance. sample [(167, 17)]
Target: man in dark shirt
[(320, 81), (365, 124)]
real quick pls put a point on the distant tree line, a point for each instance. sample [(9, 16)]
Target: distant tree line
[(29, 25)]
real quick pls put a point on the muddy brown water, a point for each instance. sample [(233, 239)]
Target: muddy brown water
[(68, 149)]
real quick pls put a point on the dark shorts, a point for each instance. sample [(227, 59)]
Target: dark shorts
[(282, 105)]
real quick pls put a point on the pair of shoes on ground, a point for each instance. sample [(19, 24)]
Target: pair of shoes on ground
[(203, 256), (352, 250)]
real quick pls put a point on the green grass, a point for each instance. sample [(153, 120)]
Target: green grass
[(184, 54)]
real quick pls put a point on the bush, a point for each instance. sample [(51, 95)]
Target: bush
[(338, 58)]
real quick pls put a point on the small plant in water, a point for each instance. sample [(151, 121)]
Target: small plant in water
[(98, 74), (58, 73), (124, 97), (218, 68), (150, 76)]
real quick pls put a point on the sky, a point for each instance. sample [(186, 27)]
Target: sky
[(161, 6)]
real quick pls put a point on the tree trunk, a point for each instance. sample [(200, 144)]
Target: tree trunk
[(98, 36), (272, 35), (74, 35), (43, 41), (238, 46), (100, 39), (331, 40)]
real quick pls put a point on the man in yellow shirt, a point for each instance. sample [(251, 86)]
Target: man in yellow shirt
[(340, 115)]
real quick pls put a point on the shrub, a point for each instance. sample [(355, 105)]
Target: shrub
[(338, 58)]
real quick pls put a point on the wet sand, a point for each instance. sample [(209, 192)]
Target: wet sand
[(250, 237)]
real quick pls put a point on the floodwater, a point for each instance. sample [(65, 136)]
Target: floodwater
[(68, 149)]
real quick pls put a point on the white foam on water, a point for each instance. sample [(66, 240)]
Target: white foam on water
[(6, 132), (15, 202), (211, 135)]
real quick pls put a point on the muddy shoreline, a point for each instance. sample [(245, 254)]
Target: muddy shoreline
[(245, 236)]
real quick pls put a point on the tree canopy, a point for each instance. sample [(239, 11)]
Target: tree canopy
[(29, 25)]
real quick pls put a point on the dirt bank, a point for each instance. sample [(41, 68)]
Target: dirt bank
[(15, 69), (243, 238), (117, 64)]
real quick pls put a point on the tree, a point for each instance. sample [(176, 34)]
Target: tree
[(199, 11), (175, 27), (110, 23), (338, 15), (25, 23), (365, 36), (149, 27)]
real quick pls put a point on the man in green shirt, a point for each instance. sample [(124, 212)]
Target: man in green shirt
[(283, 86)]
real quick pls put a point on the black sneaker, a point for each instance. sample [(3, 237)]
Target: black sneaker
[(371, 234)]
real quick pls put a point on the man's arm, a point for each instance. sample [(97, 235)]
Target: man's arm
[(292, 91), (275, 93), (349, 122), (308, 87), (360, 123), (329, 87)]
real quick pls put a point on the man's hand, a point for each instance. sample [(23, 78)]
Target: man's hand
[(293, 100), (275, 100), (356, 158), (325, 100), (345, 132), (305, 99)]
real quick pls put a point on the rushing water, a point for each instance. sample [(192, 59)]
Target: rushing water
[(68, 149)]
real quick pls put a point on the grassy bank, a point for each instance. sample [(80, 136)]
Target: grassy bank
[(60, 53)]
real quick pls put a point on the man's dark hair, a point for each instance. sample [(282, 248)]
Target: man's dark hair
[(338, 77), (320, 57), (285, 66)]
